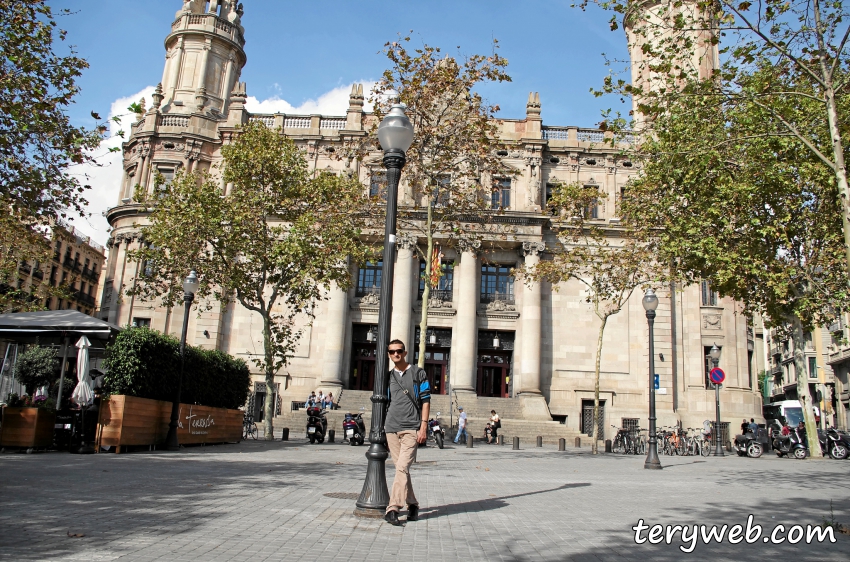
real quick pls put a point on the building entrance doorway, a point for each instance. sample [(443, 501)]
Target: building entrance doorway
[(494, 371), (361, 375), (587, 418), (436, 358)]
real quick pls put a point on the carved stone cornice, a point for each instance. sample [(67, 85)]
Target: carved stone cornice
[(471, 245)]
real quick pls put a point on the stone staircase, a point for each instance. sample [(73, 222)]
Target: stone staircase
[(477, 410)]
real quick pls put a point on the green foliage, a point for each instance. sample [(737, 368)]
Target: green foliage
[(145, 363), (37, 139), (30, 401), (36, 367)]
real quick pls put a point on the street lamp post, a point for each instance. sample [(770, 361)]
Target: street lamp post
[(190, 287), (715, 360), (650, 303), (395, 134)]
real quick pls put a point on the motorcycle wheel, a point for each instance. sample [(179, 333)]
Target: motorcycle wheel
[(312, 438), (439, 439), (754, 450), (742, 453), (800, 453), (838, 451), (353, 441), (320, 438)]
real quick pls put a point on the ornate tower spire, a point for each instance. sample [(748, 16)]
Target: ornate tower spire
[(204, 57)]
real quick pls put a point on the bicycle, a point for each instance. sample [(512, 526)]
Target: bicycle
[(249, 427)]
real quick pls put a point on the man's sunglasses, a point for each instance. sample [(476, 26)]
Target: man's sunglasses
[(395, 351)]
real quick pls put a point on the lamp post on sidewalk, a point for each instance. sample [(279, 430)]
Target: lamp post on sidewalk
[(190, 287), (715, 361), (650, 303), (395, 134)]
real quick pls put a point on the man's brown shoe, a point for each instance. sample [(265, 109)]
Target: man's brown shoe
[(391, 517), (413, 513)]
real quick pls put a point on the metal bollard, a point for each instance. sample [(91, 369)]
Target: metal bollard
[(539, 441), (284, 434), (469, 441), (562, 444), (578, 442), (331, 435), (608, 446), (516, 443), (501, 439)]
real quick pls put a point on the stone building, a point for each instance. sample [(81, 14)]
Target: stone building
[(530, 346), (77, 264)]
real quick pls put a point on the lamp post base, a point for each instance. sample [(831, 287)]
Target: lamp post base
[(374, 498), (653, 465)]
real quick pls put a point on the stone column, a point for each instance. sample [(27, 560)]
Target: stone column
[(465, 345), (177, 62), (336, 317), (403, 283), (531, 329)]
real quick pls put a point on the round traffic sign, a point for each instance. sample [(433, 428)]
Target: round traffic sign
[(717, 375)]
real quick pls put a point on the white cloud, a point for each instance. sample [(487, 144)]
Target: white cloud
[(105, 177), (334, 102)]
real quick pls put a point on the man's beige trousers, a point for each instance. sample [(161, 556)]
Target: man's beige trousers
[(402, 447)]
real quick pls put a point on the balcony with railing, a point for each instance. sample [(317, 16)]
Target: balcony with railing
[(90, 274), (25, 268), (506, 298), (84, 298), (444, 295), (38, 274)]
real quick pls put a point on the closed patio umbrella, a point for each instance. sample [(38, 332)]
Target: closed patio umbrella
[(83, 394)]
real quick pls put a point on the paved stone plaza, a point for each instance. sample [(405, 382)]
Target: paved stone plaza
[(268, 501)]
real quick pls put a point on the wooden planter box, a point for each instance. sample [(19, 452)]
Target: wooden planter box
[(128, 420), (27, 427)]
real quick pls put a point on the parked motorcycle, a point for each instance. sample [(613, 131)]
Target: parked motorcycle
[(833, 443), (793, 444), (436, 431), (317, 424), (751, 444), (354, 429)]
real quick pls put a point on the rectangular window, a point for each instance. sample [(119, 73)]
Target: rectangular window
[(497, 283), (164, 181), (142, 322), (369, 278), (501, 197), (378, 185), (591, 212), (709, 297), (442, 191), (813, 367), (444, 287)]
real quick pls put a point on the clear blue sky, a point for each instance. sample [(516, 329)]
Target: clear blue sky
[(300, 50)]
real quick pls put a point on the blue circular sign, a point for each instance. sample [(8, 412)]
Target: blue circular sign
[(717, 375)]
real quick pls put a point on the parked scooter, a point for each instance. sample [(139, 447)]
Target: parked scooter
[(793, 444), (354, 429), (833, 443), (317, 424), (436, 431), (751, 444)]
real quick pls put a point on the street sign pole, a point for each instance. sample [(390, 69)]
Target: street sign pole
[(717, 377)]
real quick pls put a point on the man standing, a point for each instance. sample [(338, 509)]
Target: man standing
[(461, 425), (406, 427)]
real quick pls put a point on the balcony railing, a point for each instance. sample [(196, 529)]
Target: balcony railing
[(38, 274), (444, 295), (84, 298), (363, 291), (507, 298), (90, 274), (25, 267)]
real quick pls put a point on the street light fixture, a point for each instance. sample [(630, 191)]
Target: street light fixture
[(395, 133), (714, 354), (190, 287), (650, 303)]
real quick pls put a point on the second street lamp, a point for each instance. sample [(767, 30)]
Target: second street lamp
[(395, 134), (190, 287), (650, 303), (715, 361)]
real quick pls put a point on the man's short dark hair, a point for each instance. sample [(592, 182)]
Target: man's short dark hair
[(397, 341)]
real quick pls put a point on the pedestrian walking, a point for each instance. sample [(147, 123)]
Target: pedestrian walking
[(461, 425), (406, 428)]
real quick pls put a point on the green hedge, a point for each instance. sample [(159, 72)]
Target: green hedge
[(146, 363)]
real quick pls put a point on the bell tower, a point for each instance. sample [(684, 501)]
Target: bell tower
[(204, 57)]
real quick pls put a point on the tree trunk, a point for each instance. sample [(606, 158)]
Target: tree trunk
[(268, 407), (835, 136), (595, 440), (426, 293), (799, 341)]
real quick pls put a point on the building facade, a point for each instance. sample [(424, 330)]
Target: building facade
[(488, 336)]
